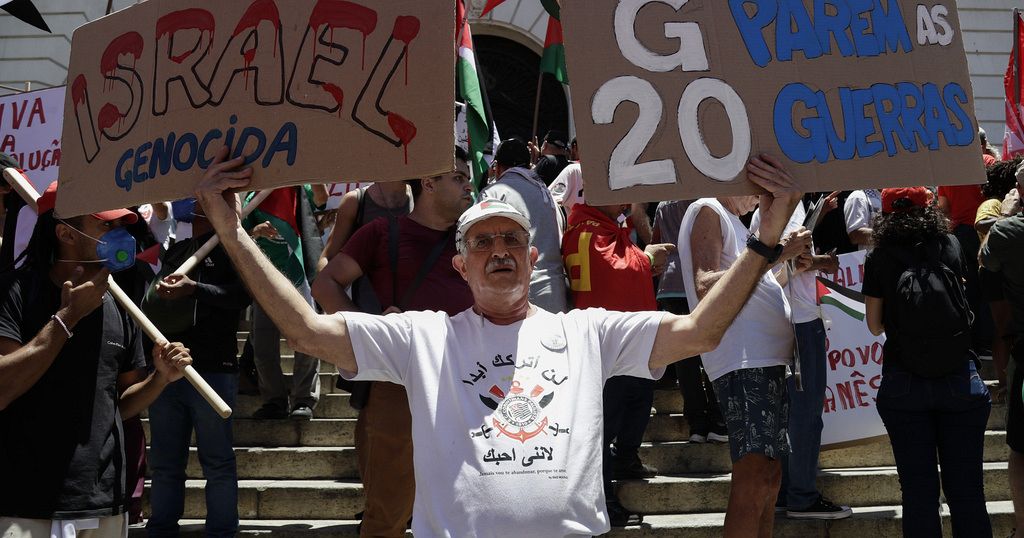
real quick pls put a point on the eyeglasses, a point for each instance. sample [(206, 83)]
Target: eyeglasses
[(485, 242)]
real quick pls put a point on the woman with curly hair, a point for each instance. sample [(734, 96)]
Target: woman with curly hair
[(931, 399)]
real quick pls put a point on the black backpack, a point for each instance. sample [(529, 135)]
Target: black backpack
[(933, 320)]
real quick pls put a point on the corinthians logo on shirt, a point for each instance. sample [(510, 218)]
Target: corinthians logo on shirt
[(520, 412)]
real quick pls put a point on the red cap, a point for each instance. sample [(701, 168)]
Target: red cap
[(905, 198), (48, 200)]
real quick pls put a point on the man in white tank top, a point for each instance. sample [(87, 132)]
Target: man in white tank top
[(748, 368)]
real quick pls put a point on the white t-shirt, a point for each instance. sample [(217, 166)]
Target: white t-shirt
[(567, 188), (762, 334), (802, 287), (860, 209), (507, 421)]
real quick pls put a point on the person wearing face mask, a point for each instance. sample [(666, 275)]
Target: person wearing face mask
[(606, 270), (71, 367), (201, 310)]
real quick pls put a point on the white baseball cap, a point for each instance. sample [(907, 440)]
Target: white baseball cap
[(483, 211)]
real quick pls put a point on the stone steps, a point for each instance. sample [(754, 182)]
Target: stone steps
[(876, 521), (675, 458), (662, 495)]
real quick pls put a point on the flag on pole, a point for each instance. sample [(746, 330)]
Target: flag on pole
[(1013, 139), (553, 60), (471, 93), (848, 301)]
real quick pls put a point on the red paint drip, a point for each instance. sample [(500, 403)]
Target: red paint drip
[(406, 29), (404, 129), (109, 115), (335, 92), (342, 14), (185, 19), (126, 43), (260, 10), (196, 18), (248, 56), (78, 90)]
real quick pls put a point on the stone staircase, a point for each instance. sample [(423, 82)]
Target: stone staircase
[(300, 477)]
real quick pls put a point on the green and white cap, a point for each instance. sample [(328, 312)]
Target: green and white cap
[(483, 211)]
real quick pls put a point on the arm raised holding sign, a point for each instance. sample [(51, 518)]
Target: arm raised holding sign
[(317, 335)]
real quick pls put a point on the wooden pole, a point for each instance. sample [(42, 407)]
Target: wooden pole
[(212, 242), (29, 193), (536, 105)]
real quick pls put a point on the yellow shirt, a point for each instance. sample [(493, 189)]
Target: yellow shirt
[(989, 209)]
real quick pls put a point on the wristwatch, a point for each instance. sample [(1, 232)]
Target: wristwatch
[(769, 253)]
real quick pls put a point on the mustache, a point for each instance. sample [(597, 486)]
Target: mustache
[(500, 263)]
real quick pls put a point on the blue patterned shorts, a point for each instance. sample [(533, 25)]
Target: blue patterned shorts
[(755, 406)]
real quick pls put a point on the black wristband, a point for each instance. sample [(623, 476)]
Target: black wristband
[(771, 254)]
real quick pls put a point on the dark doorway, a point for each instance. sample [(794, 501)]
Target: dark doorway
[(510, 75)]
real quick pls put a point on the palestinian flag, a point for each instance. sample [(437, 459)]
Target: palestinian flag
[(553, 60), (471, 93), (849, 301)]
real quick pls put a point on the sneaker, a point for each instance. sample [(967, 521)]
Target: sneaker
[(781, 508), (270, 411), (821, 509), (698, 438), (302, 412), (620, 517), (631, 468), (715, 437)]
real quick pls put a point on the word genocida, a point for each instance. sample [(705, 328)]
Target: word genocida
[(187, 72)]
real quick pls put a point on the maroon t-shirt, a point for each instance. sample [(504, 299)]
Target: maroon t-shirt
[(442, 289)]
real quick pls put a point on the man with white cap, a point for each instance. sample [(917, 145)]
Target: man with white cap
[(505, 397)]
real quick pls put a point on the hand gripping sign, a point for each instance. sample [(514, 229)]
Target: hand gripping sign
[(25, 189), (307, 91), (852, 93)]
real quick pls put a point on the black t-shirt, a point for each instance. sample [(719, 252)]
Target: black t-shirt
[(61, 443), (213, 310), (882, 271)]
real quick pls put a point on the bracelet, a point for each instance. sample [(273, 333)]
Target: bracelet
[(651, 258), (62, 326)]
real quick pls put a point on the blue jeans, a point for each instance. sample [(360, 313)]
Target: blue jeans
[(938, 422), (173, 416), (800, 468)]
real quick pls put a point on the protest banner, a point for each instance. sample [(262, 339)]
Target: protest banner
[(306, 91), (853, 358), (672, 97), (30, 129)]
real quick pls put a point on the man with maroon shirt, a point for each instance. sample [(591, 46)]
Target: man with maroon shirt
[(408, 262)]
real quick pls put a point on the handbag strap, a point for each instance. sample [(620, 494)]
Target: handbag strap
[(425, 268)]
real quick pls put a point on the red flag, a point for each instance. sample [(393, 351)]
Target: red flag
[(491, 4), (1013, 139)]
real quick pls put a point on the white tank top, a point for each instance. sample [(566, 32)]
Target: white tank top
[(761, 335)]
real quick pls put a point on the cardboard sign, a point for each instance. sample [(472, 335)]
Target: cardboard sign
[(306, 90), (853, 357), (672, 97), (30, 125)]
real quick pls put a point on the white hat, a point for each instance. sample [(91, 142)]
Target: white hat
[(483, 211)]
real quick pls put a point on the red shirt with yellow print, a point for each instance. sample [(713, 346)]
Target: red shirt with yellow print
[(605, 269)]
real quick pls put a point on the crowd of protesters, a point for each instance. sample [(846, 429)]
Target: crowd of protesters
[(405, 274)]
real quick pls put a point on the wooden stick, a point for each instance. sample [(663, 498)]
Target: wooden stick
[(212, 242), (29, 193)]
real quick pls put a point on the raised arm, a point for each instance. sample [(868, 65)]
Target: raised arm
[(321, 336), (701, 331)]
